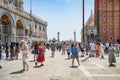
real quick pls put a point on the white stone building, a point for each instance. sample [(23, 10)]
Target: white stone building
[(90, 31), (16, 24)]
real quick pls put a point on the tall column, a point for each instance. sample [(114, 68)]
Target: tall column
[(74, 36), (58, 35)]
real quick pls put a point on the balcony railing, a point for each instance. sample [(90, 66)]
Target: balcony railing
[(20, 34)]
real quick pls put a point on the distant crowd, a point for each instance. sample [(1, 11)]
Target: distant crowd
[(74, 51)]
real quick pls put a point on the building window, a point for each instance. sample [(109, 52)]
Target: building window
[(26, 32), (35, 26), (43, 29), (111, 38), (104, 16), (104, 2), (104, 29), (40, 28)]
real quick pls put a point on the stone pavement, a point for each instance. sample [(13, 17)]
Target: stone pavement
[(59, 68)]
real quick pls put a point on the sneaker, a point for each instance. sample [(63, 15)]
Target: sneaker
[(36, 64), (112, 65), (72, 66), (42, 64), (23, 69)]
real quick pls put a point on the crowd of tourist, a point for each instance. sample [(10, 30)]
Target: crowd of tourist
[(74, 51)]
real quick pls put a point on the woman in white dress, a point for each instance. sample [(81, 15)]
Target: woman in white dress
[(24, 49), (102, 52)]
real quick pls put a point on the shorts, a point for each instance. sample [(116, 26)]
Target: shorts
[(74, 56), (52, 49), (36, 52)]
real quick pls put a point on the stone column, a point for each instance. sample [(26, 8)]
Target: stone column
[(74, 36), (58, 35)]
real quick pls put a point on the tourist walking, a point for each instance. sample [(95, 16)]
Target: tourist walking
[(11, 51), (75, 54), (68, 50), (24, 49), (102, 52), (111, 57), (41, 54), (63, 48), (92, 49), (87, 48), (59, 47), (117, 50), (17, 50), (35, 50), (53, 48), (97, 47), (7, 50)]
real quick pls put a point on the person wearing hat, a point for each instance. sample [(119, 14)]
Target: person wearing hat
[(24, 49)]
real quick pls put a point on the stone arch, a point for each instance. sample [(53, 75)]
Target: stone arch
[(19, 24), (8, 16), (6, 21), (20, 32)]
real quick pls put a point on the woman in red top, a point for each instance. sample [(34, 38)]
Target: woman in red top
[(40, 57), (97, 47)]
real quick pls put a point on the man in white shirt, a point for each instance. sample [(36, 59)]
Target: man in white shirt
[(92, 49)]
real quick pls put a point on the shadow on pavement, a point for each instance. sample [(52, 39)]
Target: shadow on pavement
[(32, 61), (51, 57), (85, 59), (73, 66), (66, 59), (17, 72), (37, 66)]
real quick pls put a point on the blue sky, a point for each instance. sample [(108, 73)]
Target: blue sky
[(64, 16)]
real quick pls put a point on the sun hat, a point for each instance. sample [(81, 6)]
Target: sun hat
[(23, 41)]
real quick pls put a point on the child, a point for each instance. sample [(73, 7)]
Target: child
[(75, 55)]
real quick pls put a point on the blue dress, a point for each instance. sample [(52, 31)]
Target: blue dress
[(74, 53)]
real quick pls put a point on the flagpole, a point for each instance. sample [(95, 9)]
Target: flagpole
[(31, 7), (83, 19), (98, 23)]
